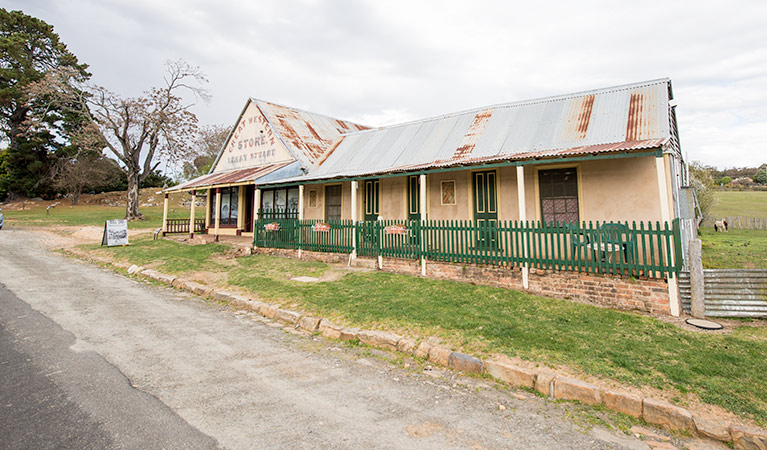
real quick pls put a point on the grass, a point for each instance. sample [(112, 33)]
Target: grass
[(736, 249), (89, 215), (725, 369), (740, 203)]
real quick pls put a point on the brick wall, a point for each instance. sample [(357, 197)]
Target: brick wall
[(642, 294)]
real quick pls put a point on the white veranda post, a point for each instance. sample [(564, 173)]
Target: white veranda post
[(218, 214), (354, 218), (191, 214), (665, 215), (256, 212), (422, 208), (523, 218), (300, 214), (165, 215)]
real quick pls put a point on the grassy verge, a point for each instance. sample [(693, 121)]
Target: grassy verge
[(725, 370), (740, 203), (736, 249), (88, 215)]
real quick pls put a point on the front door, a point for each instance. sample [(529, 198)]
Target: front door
[(413, 198), (485, 205), (372, 188)]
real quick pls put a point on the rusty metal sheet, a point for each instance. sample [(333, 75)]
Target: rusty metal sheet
[(223, 178), (307, 135), (617, 118)]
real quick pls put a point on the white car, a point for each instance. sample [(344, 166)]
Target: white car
[(2, 221)]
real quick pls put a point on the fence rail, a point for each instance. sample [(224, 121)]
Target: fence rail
[(738, 222), (631, 249), (182, 226)]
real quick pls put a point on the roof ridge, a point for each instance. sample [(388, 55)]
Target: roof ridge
[(258, 101), (521, 103)]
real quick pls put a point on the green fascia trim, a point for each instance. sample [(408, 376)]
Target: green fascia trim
[(621, 155)]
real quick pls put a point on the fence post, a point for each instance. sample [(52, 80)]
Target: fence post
[(697, 281)]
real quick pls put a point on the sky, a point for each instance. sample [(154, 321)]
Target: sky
[(383, 62)]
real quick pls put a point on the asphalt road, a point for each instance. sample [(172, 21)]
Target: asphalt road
[(91, 359)]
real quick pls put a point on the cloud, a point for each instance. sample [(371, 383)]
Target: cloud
[(394, 61)]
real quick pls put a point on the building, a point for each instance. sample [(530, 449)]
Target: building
[(608, 156)]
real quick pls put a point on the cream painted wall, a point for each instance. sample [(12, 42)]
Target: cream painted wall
[(461, 210), (620, 189), (614, 189), (394, 190)]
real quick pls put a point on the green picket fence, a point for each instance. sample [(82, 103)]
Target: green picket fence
[(333, 236), (644, 249)]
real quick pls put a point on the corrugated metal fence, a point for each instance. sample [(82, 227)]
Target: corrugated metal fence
[(738, 222), (729, 292)]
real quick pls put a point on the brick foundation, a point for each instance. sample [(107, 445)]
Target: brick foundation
[(640, 294)]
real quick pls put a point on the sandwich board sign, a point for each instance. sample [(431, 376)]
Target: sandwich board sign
[(115, 233)]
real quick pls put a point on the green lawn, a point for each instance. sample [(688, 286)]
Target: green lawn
[(740, 203), (736, 249), (84, 215), (726, 370)]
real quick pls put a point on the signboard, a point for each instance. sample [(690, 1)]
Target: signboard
[(321, 227), (115, 233), (396, 229), (274, 226), (252, 144)]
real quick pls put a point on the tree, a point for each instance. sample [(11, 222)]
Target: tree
[(761, 174), (78, 174), (210, 139), (141, 132), (702, 182), (30, 49)]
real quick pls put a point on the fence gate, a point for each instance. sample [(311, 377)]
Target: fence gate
[(729, 292)]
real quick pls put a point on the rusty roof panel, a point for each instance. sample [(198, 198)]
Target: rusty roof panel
[(307, 135), (615, 116), (241, 176)]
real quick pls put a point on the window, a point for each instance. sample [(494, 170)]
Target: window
[(279, 203), (559, 195), (333, 202), (448, 193), (230, 199)]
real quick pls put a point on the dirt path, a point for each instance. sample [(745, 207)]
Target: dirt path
[(249, 384)]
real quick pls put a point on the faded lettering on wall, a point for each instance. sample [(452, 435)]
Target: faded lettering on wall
[(252, 144)]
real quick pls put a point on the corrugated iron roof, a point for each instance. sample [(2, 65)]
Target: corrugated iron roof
[(241, 176), (306, 134), (619, 118)]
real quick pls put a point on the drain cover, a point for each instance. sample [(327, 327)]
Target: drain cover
[(705, 324)]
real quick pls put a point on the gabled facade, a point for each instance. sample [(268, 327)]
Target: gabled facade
[(268, 142)]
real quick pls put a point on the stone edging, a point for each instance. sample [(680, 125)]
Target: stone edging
[(545, 382)]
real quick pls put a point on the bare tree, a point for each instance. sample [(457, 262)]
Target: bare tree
[(80, 172), (140, 132)]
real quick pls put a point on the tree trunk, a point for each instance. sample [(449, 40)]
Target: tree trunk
[(75, 196), (131, 210)]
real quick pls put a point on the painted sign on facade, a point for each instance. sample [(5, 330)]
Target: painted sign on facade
[(252, 144)]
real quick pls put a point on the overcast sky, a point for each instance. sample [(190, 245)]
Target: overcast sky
[(382, 62)]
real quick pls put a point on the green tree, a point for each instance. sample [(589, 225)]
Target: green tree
[(29, 49), (761, 174)]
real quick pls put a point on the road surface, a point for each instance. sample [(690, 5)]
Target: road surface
[(92, 359)]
